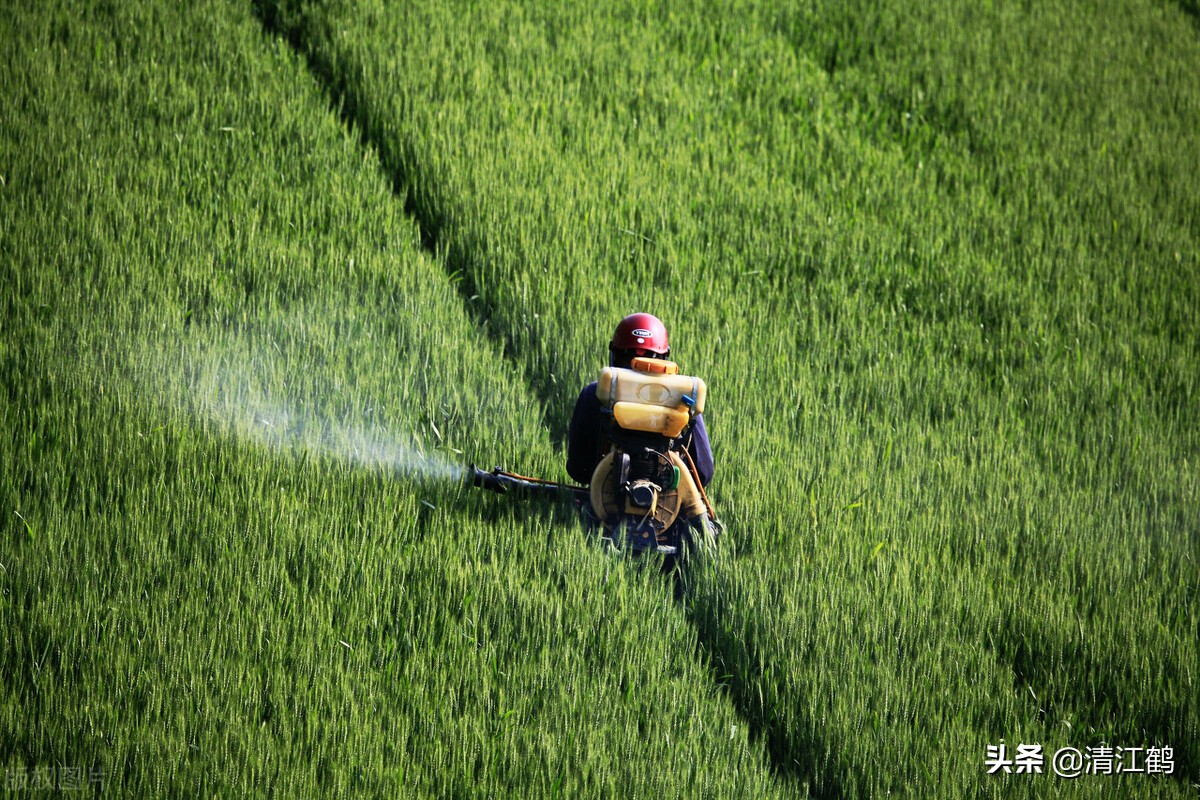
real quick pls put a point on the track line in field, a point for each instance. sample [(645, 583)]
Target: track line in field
[(455, 256), (452, 254), (723, 649)]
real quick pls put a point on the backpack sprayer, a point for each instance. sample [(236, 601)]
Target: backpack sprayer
[(645, 493)]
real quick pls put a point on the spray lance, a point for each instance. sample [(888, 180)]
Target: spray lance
[(502, 481), (645, 493)]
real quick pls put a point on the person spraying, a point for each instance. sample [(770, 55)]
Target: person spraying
[(638, 446), (637, 438)]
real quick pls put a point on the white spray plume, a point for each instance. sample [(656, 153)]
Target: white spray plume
[(250, 391), (285, 429)]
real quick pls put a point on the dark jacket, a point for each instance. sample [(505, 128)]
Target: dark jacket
[(587, 442)]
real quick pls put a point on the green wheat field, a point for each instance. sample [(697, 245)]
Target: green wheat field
[(272, 273)]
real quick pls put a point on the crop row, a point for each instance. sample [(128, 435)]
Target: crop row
[(937, 267), (236, 396)]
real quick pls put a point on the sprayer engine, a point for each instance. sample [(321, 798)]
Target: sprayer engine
[(641, 486)]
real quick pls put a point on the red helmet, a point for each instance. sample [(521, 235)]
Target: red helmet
[(641, 332)]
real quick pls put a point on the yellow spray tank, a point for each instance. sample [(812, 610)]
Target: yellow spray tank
[(643, 485), (661, 402)]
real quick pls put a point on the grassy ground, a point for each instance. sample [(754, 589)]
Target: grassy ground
[(232, 563), (275, 271)]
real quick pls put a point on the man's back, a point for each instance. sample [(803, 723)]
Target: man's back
[(587, 439)]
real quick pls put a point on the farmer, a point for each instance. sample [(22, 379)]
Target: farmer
[(587, 440)]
